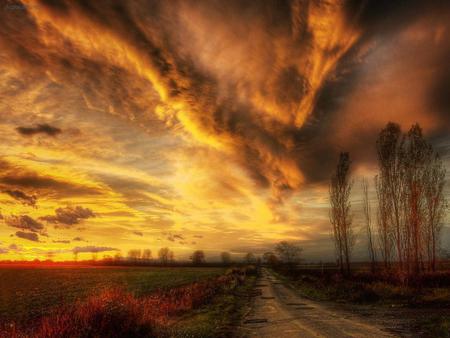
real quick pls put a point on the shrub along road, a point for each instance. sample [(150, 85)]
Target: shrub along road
[(279, 311)]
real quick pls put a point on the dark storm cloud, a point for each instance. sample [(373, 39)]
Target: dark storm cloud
[(62, 241), (396, 71), (25, 222), (386, 17), (19, 177), (93, 249), (138, 233), (22, 197), (278, 103), (31, 236), (39, 129), (438, 92), (180, 78), (69, 216)]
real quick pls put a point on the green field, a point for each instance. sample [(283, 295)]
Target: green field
[(31, 292)]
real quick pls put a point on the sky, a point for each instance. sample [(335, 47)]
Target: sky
[(210, 125)]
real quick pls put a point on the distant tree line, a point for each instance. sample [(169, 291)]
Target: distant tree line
[(285, 253)]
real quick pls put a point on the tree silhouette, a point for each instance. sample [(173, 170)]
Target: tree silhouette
[(390, 157), (340, 219), (226, 257), (250, 258), (198, 257), (147, 254), (289, 253), (367, 212), (411, 203), (165, 255), (270, 258), (134, 255)]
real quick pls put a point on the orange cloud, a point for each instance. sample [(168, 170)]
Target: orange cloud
[(213, 119)]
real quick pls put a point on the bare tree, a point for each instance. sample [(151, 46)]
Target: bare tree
[(198, 257), (435, 204), (250, 258), (226, 257), (410, 189), (165, 255), (416, 155), (270, 258), (367, 212), (390, 157), (289, 253), (147, 254), (340, 187), (118, 257), (385, 235), (134, 255)]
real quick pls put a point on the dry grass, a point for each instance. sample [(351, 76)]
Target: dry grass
[(115, 313), (426, 289), (30, 293)]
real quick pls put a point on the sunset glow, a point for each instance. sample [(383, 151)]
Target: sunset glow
[(211, 125)]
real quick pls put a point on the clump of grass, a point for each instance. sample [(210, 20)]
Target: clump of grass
[(115, 313), (220, 317)]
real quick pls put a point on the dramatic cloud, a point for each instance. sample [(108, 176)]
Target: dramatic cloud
[(22, 197), (138, 233), (69, 216), (62, 241), (25, 222), (255, 111), (258, 111), (39, 129), (47, 184), (31, 236), (219, 118), (93, 249)]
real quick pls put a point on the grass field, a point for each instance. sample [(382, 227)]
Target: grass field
[(27, 293)]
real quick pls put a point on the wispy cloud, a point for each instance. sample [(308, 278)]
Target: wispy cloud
[(93, 249)]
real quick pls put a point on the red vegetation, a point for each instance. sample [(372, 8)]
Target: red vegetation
[(115, 313)]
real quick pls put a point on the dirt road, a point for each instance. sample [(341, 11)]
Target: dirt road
[(280, 312)]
